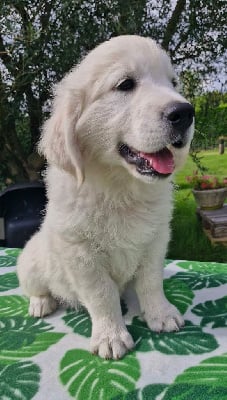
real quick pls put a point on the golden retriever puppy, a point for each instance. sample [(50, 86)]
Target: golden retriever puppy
[(118, 131)]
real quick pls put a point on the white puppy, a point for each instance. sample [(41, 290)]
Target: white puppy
[(117, 132)]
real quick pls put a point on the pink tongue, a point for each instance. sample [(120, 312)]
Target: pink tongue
[(162, 161)]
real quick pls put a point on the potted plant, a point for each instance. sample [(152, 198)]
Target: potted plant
[(209, 191)]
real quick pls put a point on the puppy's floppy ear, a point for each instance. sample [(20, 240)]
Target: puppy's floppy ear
[(59, 142)]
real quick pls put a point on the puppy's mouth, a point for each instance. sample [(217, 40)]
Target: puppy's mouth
[(159, 164)]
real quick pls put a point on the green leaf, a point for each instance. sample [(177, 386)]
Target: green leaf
[(17, 332), (142, 335), (200, 280), (150, 392), (178, 293), (189, 340), (19, 381), (197, 266), (213, 312), (14, 305), (13, 252), (23, 337), (212, 371), (89, 377), (8, 281), (41, 343), (208, 381), (8, 261), (167, 262), (79, 321), (134, 395), (202, 275), (185, 391)]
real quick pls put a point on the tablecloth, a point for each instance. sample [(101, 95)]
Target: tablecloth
[(49, 358)]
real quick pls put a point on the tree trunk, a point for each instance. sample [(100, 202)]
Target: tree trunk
[(171, 28)]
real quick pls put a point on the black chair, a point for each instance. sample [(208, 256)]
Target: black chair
[(22, 209)]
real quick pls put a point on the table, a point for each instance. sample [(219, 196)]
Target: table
[(215, 224)]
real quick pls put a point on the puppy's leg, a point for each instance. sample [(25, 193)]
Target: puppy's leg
[(110, 338), (31, 274), (159, 314), (42, 305), (100, 295)]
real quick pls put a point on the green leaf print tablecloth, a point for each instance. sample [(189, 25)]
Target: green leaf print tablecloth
[(49, 359)]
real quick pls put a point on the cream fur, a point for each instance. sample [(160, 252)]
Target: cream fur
[(105, 224)]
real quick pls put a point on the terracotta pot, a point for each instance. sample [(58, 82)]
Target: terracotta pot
[(211, 199)]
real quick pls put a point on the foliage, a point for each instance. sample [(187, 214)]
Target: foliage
[(41, 40), (211, 118), (191, 84), (193, 243), (206, 182), (197, 159)]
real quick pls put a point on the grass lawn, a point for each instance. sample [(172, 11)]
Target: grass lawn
[(188, 239)]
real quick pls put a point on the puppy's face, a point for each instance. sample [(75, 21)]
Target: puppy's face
[(131, 114), (134, 115)]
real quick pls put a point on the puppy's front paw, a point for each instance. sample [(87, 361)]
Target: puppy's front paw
[(41, 306), (164, 317), (111, 341)]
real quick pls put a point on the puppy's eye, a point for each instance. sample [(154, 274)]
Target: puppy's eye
[(174, 82), (127, 85)]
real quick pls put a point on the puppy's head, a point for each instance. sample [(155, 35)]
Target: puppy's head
[(120, 108)]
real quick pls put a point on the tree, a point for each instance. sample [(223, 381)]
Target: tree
[(40, 40), (211, 111)]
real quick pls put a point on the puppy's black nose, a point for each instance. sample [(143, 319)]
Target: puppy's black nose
[(179, 115)]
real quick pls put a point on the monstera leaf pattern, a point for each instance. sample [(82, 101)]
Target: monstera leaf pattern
[(208, 379), (202, 275), (8, 282), (213, 312), (13, 305), (88, 377), (178, 293), (189, 340), (50, 358), (19, 381)]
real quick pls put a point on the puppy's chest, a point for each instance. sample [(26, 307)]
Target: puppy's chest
[(122, 233), (127, 227)]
